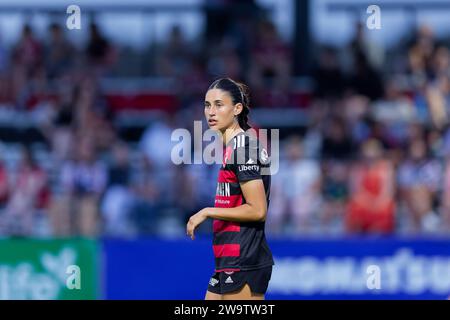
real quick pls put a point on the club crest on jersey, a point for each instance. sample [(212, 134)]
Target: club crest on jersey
[(264, 157)]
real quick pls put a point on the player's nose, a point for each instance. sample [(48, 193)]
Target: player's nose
[(211, 111)]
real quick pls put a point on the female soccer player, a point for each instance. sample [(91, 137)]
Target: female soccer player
[(243, 260)]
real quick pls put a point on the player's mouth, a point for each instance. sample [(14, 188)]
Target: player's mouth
[(212, 122)]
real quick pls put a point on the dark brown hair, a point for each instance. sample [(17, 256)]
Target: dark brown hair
[(239, 94)]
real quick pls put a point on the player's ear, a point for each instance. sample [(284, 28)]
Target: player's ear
[(238, 108)]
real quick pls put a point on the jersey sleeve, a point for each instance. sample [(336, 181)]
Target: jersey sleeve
[(248, 166)]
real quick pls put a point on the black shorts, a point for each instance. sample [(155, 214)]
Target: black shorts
[(226, 282)]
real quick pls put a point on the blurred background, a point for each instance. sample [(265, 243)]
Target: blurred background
[(86, 117)]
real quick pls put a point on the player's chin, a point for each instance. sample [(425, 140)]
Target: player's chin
[(214, 126)]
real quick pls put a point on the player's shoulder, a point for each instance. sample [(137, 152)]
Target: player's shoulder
[(247, 146), (245, 140), (240, 141)]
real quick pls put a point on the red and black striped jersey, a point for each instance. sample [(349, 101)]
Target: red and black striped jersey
[(240, 245)]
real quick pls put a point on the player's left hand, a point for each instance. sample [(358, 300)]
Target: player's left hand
[(194, 222)]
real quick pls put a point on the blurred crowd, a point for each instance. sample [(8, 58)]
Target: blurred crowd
[(374, 156)]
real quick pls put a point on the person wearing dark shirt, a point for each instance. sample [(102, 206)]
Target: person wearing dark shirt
[(243, 259)]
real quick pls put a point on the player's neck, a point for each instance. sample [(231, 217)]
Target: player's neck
[(230, 133)]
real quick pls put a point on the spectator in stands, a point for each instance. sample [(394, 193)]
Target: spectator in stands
[(173, 58), (5, 90), (4, 186), (419, 180), (225, 60), (438, 99), (118, 199), (371, 207), (235, 21), (337, 143), (445, 197), (422, 49), (29, 194), (440, 63), (435, 142), (158, 153), (395, 107), (330, 80), (296, 191), (445, 147), (100, 52), (60, 129), (27, 63), (149, 202), (82, 182), (417, 68), (58, 52), (335, 192), (364, 79), (92, 115), (28, 53), (361, 44), (191, 86), (5, 85), (3, 56), (270, 66)]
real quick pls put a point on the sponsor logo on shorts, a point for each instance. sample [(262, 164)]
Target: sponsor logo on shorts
[(229, 280), (213, 281)]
